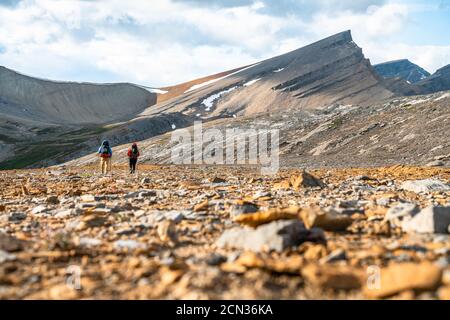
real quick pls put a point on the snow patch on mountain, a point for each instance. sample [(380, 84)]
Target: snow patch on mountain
[(158, 91), (247, 84), (204, 84), (442, 97), (418, 101), (153, 90), (209, 102)]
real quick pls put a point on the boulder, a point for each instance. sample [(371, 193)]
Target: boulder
[(240, 208), (10, 244), (425, 186), (128, 245), (39, 209), (402, 212), (327, 220), (17, 217), (259, 218), (87, 198), (277, 235), (333, 277), (401, 277), (435, 163), (52, 200), (433, 219), (305, 180), (167, 231)]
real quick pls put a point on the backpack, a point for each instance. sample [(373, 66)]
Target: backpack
[(134, 150), (105, 151)]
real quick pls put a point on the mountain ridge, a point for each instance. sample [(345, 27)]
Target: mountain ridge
[(70, 102), (402, 68), (327, 73)]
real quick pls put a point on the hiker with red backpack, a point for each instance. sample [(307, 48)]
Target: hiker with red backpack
[(105, 153), (133, 155)]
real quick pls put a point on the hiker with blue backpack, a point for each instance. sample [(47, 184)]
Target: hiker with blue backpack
[(105, 153)]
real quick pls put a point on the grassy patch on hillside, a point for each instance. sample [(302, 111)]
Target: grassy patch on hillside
[(7, 139), (336, 123), (58, 147), (28, 156), (85, 132), (49, 130)]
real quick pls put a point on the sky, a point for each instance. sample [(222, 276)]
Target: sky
[(164, 42)]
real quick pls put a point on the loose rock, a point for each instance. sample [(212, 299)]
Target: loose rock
[(400, 213), (242, 207), (430, 220), (327, 220), (52, 200), (405, 276), (258, 218), (332, 277), (425, 186), (17, 217), (10, 244), (167, 231), (276, 235)]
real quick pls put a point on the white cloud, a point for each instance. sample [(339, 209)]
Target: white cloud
[(373, 24), (428, 57), (39, 36), (163, 42), (373, 30)]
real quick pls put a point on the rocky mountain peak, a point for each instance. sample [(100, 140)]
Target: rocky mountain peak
[(402, 68)]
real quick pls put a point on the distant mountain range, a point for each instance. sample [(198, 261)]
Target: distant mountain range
[(421, 79), (46, 122), (404, 69)]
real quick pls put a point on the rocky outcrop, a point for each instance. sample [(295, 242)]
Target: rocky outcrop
[(404, 69), (334, 67)]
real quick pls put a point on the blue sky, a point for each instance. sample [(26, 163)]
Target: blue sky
[(164, 42)]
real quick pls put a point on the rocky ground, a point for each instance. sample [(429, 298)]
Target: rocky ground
[(409, 131), (174, 232)]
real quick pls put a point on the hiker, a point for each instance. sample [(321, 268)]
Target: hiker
[(105, 153), (133, 155)]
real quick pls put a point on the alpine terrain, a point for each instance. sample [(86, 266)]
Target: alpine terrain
[(359, 208)]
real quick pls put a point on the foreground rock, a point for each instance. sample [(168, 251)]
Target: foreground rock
[(305, 180), (273, 214), (430, 220), (297, 182), (10, 244), (333, 277), (425, 186), (277, 236), (405, 276), (401, 213), (327, 220)]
